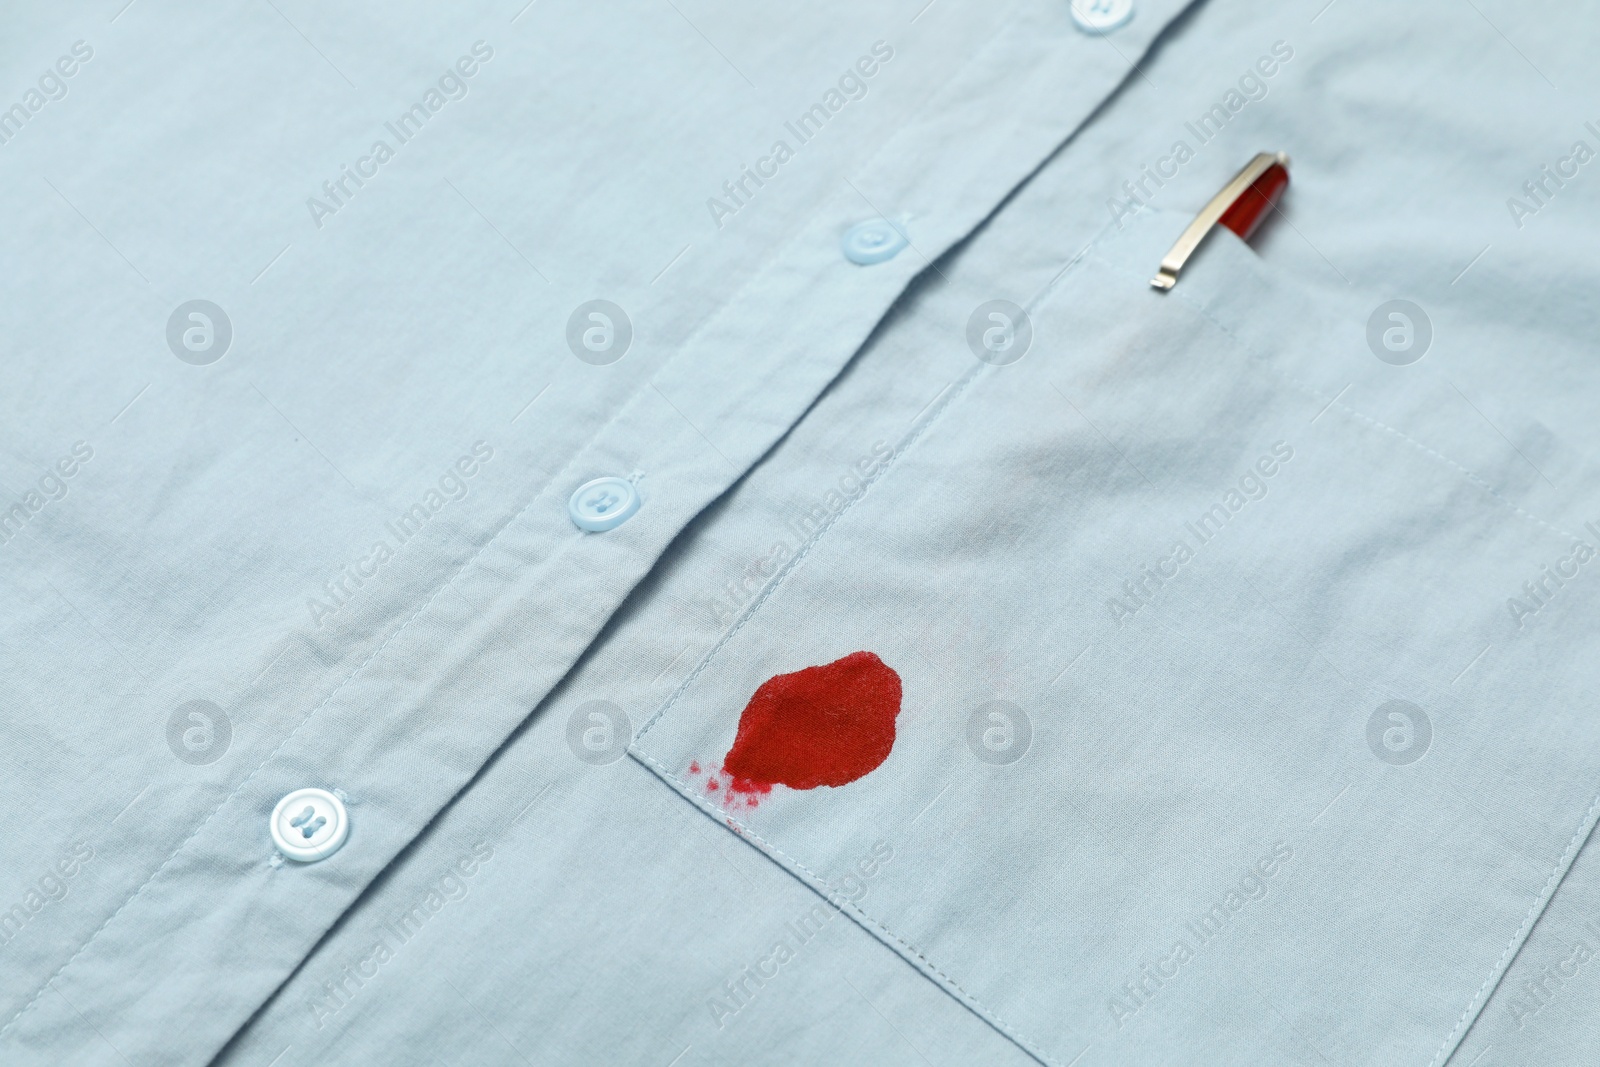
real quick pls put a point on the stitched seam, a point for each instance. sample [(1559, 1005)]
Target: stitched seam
[(1540, 900), (820, 886), (1468, 474), (1312, 390), (751, 610)]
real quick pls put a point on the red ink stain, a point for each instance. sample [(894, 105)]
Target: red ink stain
[(750, 788), (827, 725), (694, 768), (1244, 215)]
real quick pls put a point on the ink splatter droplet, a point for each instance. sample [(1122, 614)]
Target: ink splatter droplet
[(827, 725)]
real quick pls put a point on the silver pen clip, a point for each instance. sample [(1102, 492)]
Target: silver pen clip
[(1240, 206)]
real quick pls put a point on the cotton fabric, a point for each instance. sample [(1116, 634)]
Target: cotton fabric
[(825, 467)]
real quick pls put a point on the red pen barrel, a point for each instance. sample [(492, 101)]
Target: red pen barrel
[(1244, 215)]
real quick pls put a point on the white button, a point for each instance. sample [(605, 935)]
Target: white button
[(1101, 16), (603, 504), (309, 825), (872, 241)]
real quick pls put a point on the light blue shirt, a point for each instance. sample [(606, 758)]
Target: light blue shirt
[(462, 415)]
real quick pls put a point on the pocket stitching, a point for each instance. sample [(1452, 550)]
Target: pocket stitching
[(1489, 490), (752, 609), (1541, 901), (820, 886)]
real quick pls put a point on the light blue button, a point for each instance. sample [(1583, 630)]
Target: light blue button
[(1101, 16), (872, 241), (309, 825), (603, 504)]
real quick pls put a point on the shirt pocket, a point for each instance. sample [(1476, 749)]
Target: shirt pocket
[(1238, 680)]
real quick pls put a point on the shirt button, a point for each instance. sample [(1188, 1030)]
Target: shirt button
[(872, 241), (309, 825), (603, 504), (1101, 16)]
